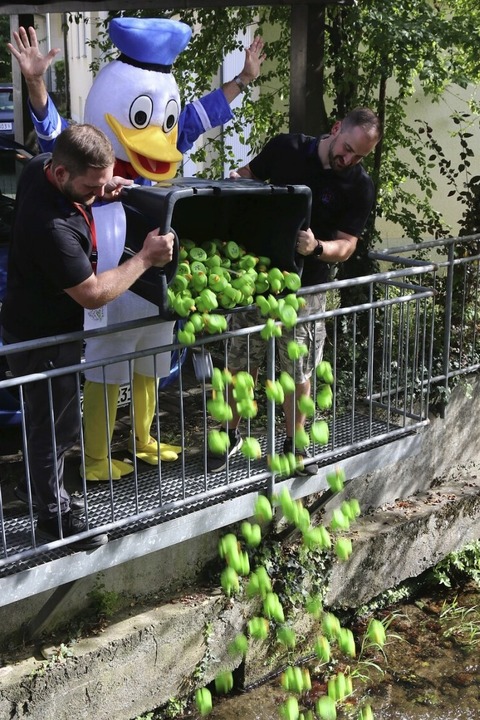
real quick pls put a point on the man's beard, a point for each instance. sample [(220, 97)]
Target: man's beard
[(74, 196), (333, 160)]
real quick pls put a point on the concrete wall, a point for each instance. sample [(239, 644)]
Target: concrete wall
[(157, 576)]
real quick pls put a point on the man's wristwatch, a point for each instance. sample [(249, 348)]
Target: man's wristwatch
[(240, 83), (318, 250)]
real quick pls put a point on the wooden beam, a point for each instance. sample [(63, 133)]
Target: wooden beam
[(316, 121), (298, 67), (52, 6), (307, 108), (23, 124)]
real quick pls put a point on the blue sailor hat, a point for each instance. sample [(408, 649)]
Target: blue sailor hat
[(151, 43)]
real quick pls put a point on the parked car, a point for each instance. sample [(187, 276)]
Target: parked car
[(9, 405), (6, 112)]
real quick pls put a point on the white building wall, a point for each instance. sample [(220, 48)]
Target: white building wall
[(81, 56), (438, 116), (50, 35), (232, 65)]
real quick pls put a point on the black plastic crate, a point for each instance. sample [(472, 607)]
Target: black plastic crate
[(265, 219)]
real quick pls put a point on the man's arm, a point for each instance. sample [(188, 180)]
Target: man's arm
[(97, 290), (33, 66), (254, 57), (213, 109), (46, 120), (243, 172), (337, 250)]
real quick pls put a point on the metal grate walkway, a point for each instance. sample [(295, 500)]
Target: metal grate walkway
[(163, 496)]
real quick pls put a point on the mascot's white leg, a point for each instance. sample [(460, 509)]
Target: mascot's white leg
[(145, 400), (97, 442)]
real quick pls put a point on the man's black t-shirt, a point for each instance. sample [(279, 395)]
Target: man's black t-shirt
[(341, 201), (49, 251)]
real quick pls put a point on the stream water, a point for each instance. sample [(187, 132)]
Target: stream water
[(430, 668)]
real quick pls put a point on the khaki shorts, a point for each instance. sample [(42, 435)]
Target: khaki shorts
[(251, 349)]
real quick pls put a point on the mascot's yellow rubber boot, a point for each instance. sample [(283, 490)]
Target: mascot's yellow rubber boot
[(95, 432), (145, 401)]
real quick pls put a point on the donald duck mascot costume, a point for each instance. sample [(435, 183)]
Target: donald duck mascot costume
[(135, 100)]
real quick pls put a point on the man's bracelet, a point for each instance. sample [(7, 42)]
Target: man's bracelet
[(318, 250), (240, 83)]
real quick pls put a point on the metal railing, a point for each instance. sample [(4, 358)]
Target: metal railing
[(455, 327), (412, 332), (380, 350)]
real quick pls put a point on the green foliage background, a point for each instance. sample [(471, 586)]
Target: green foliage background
[(375, 53), (5, 64)]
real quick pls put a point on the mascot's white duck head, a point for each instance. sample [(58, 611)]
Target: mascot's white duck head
[(135, 99)]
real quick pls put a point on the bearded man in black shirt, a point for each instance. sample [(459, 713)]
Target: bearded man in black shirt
[(51, 278), (342, 198)]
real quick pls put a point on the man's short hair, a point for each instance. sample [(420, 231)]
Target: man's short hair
[(83, 146), (365, 118)]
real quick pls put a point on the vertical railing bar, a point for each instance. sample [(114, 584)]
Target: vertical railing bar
[(182, 422), (370, 356), (448, 317), (82, 447), (255, 390), (158, 430), (131, 372), (385, 357), (461, 343), (433, 309), (401, 339), (271, 412), (406, 360), (354, 386), (389, 364), (109, 448), (26, 462), (475, 312), (54, 454), (415, 353), (424, 363), (334, 369)]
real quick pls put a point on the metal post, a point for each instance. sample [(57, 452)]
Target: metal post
[(36, 626), (271, 410), (447, 331)]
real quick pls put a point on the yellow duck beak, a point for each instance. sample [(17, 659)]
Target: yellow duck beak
[(151, 153)]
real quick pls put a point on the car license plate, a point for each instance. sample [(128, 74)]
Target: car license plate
[(6, 126)]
